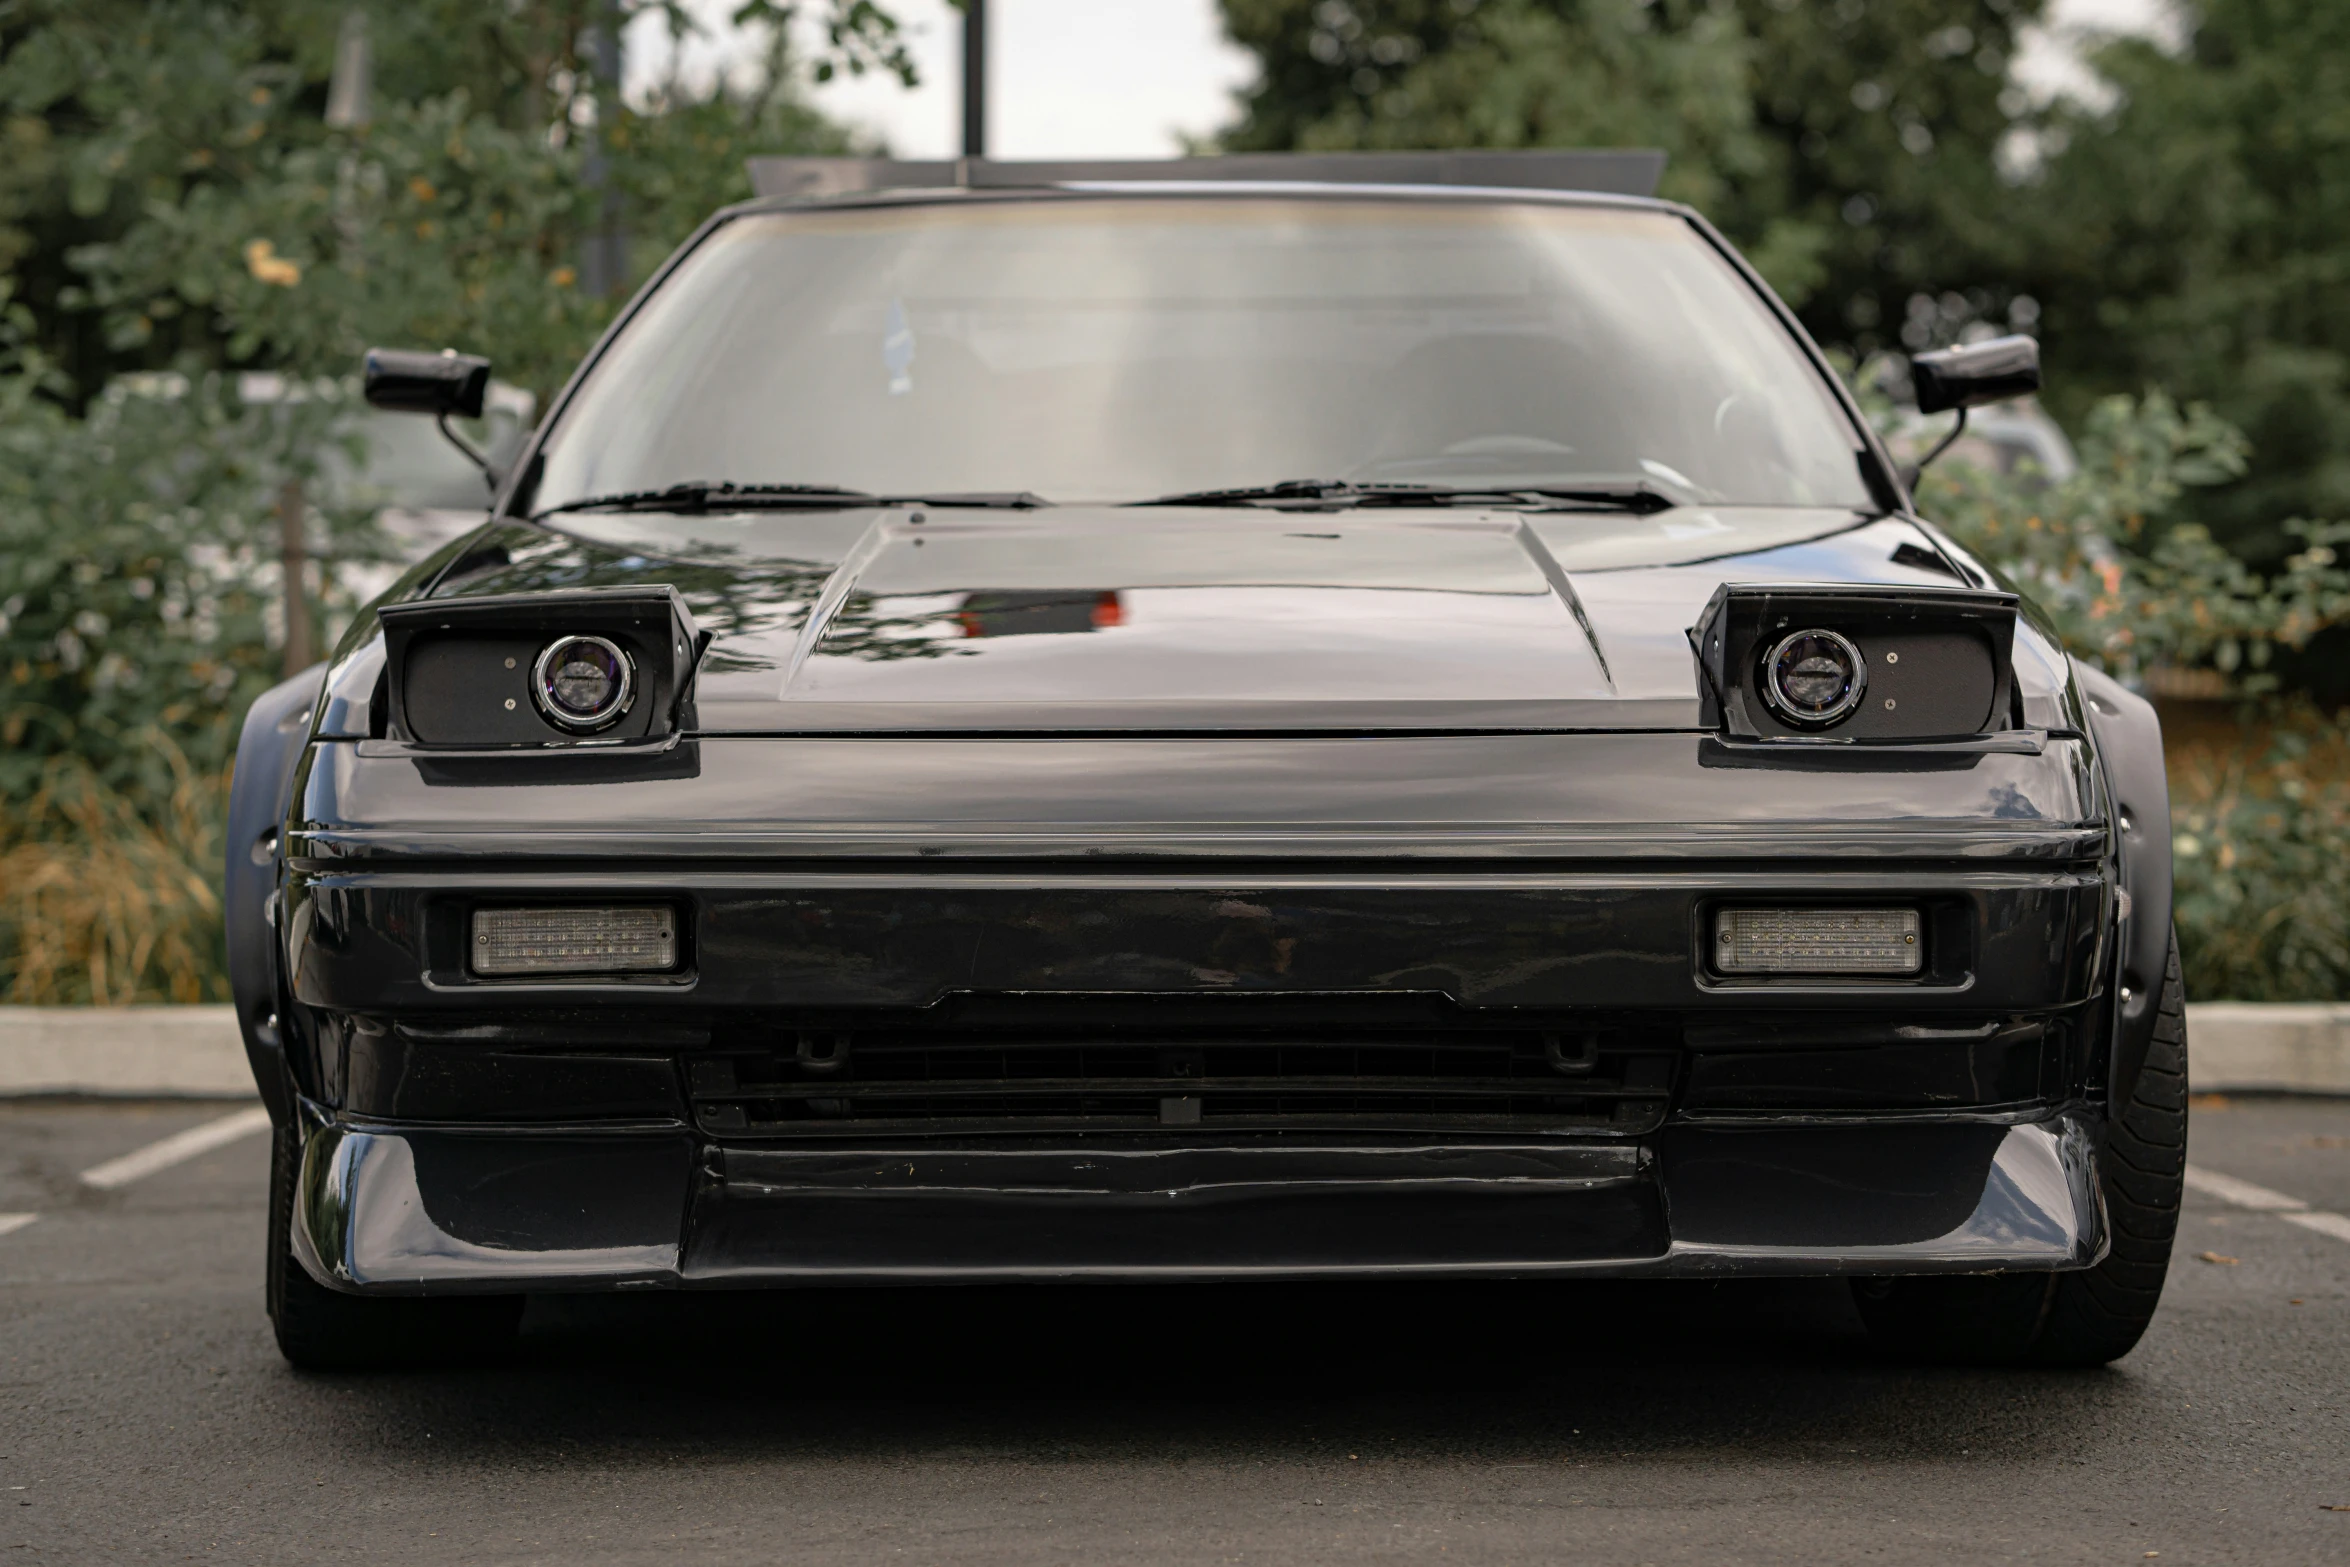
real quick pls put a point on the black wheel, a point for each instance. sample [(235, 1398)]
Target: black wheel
[(2070, 1319), (319, 1329)]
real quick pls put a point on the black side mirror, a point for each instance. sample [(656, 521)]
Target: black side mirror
[(1976, 374), (400, 380), (1969, 377), (441, 384)]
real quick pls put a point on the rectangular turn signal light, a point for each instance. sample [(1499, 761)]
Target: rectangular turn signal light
[(1818, 941), (574, 940)]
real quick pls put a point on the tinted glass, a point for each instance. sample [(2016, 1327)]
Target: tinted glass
[(1112, 349)]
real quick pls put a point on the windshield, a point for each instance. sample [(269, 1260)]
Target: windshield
[(1117, 349)]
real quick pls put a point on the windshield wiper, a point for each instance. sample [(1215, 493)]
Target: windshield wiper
[(702, 494), (696, 495), (1323, 493), (1635, 496), (998, 500), (1306, 490)]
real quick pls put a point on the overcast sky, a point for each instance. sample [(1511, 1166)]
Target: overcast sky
[(1132, 78)]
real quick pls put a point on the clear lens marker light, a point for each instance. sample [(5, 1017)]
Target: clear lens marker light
[(574, 941), (1818, 941)]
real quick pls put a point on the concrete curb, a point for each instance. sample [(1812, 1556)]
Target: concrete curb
[(195, 1053), (124, 1052), (2291, 1047)]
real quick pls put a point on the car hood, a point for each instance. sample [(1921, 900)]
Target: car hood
[(1178, 619)]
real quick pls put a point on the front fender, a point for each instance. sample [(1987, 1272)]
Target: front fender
[(276, 728), (2129, 751)]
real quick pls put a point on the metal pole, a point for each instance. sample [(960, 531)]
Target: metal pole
[(606, 262), (974, 78), (349, 95)]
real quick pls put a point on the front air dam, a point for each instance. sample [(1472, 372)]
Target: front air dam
[(392, 1210)]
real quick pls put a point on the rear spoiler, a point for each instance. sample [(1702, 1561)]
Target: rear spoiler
[(1629, 172)]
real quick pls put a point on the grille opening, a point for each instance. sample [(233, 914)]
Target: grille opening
[(1110, 1077)]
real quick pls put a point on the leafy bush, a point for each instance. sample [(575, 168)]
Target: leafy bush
[(2258, 839), (2130, 583), (140, 611), (175, 209), (139, 572), (2260, 836)]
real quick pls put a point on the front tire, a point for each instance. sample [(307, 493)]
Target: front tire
[(2088, 1317), (319, 1329)]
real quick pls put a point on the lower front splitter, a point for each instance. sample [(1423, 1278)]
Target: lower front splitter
[(415, 1210), (1187, 1210)]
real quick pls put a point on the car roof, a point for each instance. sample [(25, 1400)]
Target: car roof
[(1193, 189), (1609, 177)]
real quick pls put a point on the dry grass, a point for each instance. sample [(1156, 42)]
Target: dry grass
[(107, 900)]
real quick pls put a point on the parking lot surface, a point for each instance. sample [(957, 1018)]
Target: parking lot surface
[(145, 1415)]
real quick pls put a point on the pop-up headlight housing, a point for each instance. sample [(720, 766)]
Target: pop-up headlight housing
[(590, 667), (1855, 662)]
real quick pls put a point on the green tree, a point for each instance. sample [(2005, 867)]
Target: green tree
[(175, 209), (2196, 235), (175, 194), (1849, 145), (1349, 74), (1886, 120)]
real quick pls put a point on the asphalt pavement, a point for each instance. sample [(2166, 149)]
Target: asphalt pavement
[(145, 1415)]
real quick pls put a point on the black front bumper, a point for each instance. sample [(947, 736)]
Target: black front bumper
[(408, 1210), (463, 1134)]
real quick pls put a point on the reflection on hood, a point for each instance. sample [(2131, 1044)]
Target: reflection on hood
[(1178, 617), (1038, 614)]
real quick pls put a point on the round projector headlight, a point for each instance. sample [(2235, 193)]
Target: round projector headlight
[(1814, 678), (583, 682)]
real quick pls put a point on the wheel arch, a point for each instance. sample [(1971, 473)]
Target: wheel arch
[(2128, 737), (277, 727)]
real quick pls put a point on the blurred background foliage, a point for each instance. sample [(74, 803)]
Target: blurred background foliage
[(177, 213), (2133, 580), (192, 259)]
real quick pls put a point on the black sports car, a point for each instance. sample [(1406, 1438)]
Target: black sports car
[(1263, 719)]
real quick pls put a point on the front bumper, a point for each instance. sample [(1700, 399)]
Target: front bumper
[(385, 1209), (1451, 896)]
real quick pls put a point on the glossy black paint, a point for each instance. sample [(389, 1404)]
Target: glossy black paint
[(269, 747), (1188, 769), (414, 1210), (2129, 739), (859, 621), (1523, 939)]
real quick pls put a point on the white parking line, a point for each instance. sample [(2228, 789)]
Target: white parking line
[(2324, 1223), (2243, 1194), (12, 1222), (175, 1148)]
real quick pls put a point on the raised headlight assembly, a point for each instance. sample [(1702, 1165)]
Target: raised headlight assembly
[(1820, 664), (583, 683), (594, 671)]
